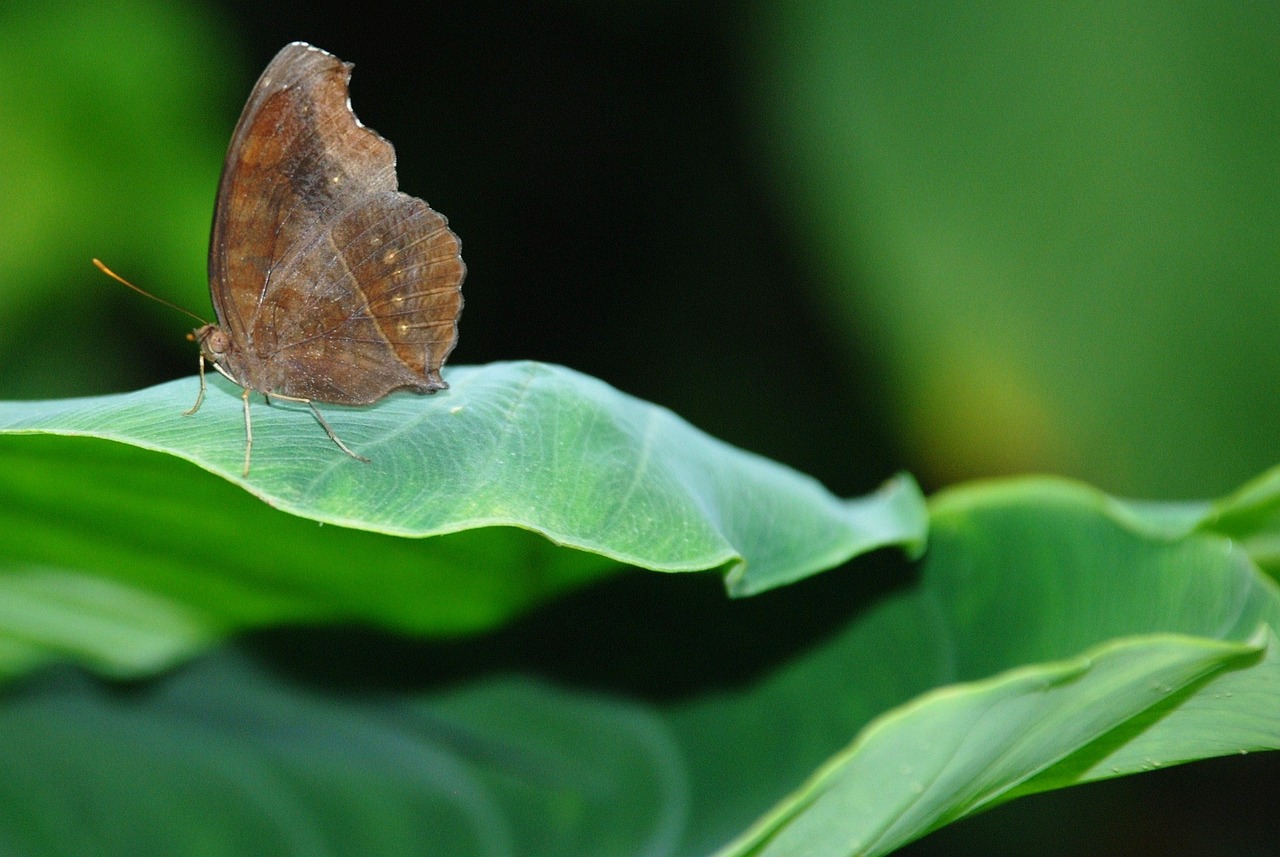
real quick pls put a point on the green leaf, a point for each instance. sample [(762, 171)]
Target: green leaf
[(1047, 641), (966, 748), (1251, 515), (224, 759), (511, 449)]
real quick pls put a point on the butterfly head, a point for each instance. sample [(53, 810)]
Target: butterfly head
[(214, 343)]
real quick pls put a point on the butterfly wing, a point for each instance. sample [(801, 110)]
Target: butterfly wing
[(331, 284)]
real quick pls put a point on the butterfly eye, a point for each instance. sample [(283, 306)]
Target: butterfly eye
[(214, 341), (217, 343)]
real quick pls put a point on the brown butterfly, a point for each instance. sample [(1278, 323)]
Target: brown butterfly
[(329, 284)]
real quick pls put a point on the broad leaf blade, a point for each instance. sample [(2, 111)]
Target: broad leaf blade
[(1050, 641), (224, 759), (510, 450), (517, 444), (965, 748)]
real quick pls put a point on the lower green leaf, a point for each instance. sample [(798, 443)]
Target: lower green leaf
[(1049, 640)]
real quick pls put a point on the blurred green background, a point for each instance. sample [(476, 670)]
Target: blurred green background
[(968, 240), (960, 239)]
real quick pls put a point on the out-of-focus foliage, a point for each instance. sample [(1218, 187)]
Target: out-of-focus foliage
[(1056, 223), (109, 127)]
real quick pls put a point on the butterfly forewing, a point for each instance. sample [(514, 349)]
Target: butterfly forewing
[(331, 284)]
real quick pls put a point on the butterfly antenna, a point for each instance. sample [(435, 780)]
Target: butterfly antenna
[(119, 279)]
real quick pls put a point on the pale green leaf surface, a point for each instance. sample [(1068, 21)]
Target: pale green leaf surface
[(517, 444), (510, 450)]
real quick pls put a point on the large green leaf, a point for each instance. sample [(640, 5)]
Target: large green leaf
[(221, 759), (511, 449), (1049, 640)]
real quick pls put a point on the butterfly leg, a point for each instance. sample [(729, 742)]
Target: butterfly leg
[(248, 431), (333, 437), (323, 424), (200, 397)]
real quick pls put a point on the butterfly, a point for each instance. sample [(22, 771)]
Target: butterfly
[(329, 284)]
